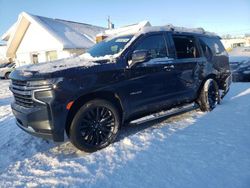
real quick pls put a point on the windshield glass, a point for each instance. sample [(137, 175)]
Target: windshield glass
[(109, 46)]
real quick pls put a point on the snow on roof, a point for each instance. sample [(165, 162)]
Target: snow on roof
[(7, 34), (145, 27), (170, 27), (70, 34), (125, 30)]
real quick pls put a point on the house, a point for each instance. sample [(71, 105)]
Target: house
[(129, 29), (34, 39), (230, 43), (3, 58)]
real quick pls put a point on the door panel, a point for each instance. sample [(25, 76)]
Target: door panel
[(189, 66), (147, 85), (188, 72)]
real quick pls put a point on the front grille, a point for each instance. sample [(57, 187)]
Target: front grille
[(22, 94), (19, 83)]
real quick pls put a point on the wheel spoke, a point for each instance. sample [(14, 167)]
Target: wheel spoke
[(96, 125), (86, 121), (97, 116), (212, 96), (90, 136), (107, 120), (105, 113), (102, 112), (102, 137), (97, 138), (105, 128)]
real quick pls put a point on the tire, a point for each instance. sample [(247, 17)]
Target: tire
[(209, 96), (95, 126), (7, 75)]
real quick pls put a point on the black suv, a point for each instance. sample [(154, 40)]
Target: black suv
[(120, 79)]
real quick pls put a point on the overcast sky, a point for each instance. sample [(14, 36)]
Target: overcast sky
[(221, 16)]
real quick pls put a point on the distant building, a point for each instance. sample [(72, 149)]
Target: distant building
[(129, 29), (230, 43), (3, 58), (34, 39)]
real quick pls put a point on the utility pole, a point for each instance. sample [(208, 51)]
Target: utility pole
[(110, 24)]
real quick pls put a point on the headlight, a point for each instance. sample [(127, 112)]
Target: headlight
[(47, 82)]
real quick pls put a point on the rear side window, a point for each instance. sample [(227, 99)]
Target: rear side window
[(214, 45), (186, 47), (155, 45), (206, 50)]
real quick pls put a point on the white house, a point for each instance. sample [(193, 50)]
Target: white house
[(3, 58), (236, 42), (129, 29), (34, 39)]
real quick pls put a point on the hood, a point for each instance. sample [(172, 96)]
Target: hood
[(84, 61)]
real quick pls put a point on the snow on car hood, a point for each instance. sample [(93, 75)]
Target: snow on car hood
[(84, 60)]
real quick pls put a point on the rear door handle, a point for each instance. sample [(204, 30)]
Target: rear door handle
[(201, 63)]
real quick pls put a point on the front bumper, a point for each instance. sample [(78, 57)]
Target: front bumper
[(35, 120), (38, 112)]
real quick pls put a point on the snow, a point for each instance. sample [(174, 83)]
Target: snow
[(84, 60), (70, 34), (126, 30), (170, 27), (194, 149)]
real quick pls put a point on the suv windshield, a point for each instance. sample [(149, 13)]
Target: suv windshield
[(109, 46)]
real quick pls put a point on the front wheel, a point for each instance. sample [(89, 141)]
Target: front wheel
[(209, 95), (94, 126)]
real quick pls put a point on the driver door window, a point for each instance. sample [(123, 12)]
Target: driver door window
[(155, 45)]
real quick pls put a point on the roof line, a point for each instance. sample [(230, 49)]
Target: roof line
[(76, 22)]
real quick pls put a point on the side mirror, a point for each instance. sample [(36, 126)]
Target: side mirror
[(140, 56)]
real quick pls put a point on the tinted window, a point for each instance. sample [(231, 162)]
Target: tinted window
[(155, 45), (185, 47), (214, 45), (206, 50)]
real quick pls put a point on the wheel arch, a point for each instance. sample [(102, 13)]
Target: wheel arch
[(210, 76), (7, 74), (80, 101)]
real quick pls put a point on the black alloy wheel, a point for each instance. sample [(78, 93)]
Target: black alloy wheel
[(209, 96), (212, 95), (94, 126), (97, 126)]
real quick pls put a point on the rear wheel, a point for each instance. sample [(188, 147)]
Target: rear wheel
[(94, 126), (209, 95)]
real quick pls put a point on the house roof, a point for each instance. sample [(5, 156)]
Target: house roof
[(72, 35)]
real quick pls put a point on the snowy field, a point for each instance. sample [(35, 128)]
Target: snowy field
[(194, 149)]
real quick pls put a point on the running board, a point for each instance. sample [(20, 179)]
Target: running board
[(165, 114)]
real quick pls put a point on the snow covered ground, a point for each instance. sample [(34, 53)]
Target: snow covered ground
[(194, 149)]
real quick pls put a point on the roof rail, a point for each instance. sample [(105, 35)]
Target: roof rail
[(170, 27), (185, 29)]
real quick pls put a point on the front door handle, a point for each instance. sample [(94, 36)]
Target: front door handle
[(168, 67)]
